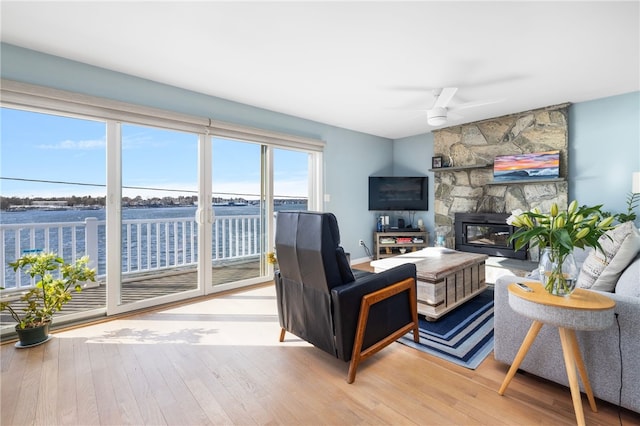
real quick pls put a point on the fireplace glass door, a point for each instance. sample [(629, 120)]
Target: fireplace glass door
[(487, 235)]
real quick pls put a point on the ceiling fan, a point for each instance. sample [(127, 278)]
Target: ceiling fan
[(440, 111), (437, 115)]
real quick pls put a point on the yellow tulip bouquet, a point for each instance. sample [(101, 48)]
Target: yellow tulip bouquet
[(561, 231)]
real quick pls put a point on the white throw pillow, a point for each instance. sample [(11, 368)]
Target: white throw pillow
[(601, 269)]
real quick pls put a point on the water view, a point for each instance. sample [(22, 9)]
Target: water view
[(152, 238)]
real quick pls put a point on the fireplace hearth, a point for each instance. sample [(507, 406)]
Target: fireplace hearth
[(486, 233)]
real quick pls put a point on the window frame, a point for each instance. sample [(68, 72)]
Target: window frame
[(25, 96)]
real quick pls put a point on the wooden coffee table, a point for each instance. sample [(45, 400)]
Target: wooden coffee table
[(446, 278)]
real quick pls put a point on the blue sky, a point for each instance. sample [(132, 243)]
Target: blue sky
[(54, 148)]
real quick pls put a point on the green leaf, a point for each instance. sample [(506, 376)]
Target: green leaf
[(563, 237)]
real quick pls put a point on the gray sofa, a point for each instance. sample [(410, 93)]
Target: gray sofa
[(602, 351)]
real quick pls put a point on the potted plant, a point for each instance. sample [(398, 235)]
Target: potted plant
[(54, 279), (557, 234)]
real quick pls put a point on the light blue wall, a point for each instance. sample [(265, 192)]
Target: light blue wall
[(604, 150), (349, 158), (412, 157)]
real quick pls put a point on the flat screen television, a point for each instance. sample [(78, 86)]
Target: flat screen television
[(398, 193)]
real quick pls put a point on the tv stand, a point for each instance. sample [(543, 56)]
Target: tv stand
[(396, 229), (395, 242)]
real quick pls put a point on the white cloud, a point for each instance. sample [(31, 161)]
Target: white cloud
[(291, 188), (76, 145)]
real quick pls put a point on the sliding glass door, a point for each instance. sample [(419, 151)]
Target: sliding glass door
[(52, 197), (291, 179), (251, 182), (158, 227), (239, 227), (165, 210)]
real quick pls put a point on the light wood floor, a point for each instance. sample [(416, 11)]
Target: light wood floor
[(218, 361)]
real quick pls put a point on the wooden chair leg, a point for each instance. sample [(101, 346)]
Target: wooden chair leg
[(571, 334), (282, 331), (371, 299), (413, 300), (570, 364), (522, 352), (357, 344)]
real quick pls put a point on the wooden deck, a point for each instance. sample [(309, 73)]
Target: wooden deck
[(148, 286)]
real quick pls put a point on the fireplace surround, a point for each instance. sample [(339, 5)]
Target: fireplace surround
[(486, 233), (468, 186)]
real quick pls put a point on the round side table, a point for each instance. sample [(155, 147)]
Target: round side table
[(583, 310)]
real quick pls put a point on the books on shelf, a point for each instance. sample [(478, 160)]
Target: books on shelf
[(403, 240)]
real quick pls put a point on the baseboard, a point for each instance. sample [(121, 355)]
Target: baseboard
[(360, 260)]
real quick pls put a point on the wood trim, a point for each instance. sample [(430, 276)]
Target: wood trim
[(581, 298), (370, 299)]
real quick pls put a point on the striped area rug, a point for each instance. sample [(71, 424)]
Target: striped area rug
[(463, 336)]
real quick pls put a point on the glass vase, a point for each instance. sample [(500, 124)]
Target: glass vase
[(558, 272)]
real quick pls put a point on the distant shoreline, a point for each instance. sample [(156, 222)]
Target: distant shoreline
[(53, 208), (67, 208)]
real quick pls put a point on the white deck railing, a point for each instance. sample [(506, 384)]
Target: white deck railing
[(147, 244)]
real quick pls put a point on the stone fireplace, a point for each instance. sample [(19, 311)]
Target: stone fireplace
[(486, 233), (467, 186)]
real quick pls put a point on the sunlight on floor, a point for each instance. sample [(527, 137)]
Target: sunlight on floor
[(217, 321)]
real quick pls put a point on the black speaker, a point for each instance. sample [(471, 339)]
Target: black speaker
[(400, 223)]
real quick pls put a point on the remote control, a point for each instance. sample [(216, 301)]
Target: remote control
[(524, 287)]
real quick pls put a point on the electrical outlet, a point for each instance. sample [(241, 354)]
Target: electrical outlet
[(361, 243)]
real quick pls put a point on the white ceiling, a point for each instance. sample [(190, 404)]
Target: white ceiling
[(365, 66)]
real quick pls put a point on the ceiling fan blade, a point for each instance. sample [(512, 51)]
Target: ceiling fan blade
[(445, 97), (475, 104), (421, 89)]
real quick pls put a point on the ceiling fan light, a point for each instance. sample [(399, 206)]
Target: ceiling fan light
[(437, 116)]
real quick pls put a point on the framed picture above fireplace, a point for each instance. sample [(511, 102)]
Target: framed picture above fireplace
[(532, 166)]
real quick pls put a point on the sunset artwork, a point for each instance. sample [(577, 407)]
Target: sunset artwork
[(537, 165)]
